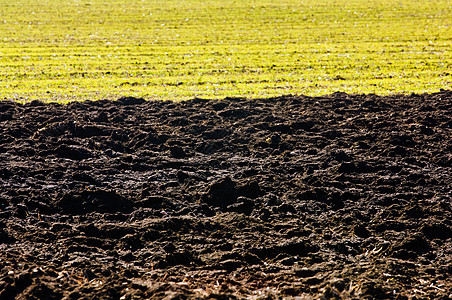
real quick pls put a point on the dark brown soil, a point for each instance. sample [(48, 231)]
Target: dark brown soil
[(342, 196)]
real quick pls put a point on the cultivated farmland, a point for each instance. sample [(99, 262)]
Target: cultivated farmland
[(78, 50), (335, 196), (330, 191)]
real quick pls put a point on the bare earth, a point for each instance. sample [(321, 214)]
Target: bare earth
[(341, 196)]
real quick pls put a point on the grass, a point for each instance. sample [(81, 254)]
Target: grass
[(174, 50)]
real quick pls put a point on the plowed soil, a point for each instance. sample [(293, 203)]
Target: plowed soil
[(341, 196)]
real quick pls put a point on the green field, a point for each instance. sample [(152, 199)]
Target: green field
[(176, 49)]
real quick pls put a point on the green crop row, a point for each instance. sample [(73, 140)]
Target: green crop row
[(174, 50)]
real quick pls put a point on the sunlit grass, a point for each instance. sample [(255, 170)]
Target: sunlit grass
[(175, 50)]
